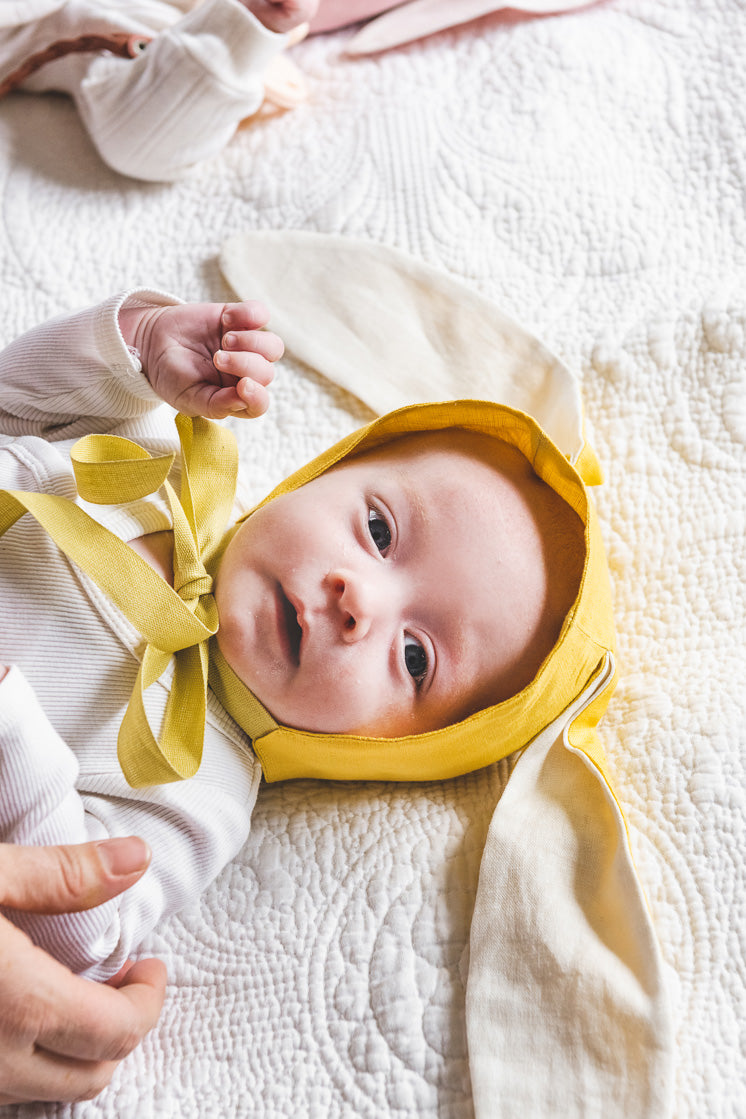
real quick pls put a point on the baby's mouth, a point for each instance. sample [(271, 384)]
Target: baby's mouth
[(292, 627)]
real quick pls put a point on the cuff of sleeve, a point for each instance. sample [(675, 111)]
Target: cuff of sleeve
[(228, 40), (117, 355)]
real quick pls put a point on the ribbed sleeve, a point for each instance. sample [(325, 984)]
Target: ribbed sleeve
[(74, 374), (39, 805)]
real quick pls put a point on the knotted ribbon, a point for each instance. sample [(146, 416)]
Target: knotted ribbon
[(176, 622)]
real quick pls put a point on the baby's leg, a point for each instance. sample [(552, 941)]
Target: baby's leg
[(39, 805)]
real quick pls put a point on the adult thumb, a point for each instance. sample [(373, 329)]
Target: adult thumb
[(69, 878)]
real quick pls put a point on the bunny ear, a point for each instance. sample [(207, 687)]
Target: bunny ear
[(394, 331), (566, 1006), (418, 18)]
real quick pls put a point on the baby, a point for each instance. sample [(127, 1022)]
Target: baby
[(402, 590), (416, 577), (198, 69)]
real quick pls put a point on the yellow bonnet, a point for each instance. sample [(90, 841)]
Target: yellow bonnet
[(579, 654)]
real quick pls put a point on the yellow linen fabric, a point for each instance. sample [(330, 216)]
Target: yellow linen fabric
[(176, 623), (577, 657)]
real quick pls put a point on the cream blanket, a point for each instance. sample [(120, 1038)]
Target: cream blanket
[(585, 173)]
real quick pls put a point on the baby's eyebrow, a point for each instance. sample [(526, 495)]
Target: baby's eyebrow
[(415, 507)]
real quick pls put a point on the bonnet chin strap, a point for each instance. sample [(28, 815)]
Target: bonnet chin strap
[(177, 623)]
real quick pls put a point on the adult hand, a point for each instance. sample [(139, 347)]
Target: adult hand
[(61, 1037), (206, 359)]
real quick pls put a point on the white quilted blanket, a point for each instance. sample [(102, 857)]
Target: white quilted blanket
[(586, 172)]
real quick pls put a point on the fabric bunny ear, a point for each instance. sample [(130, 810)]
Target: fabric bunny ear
[(394, 331), (566, 1008), (418, 18)]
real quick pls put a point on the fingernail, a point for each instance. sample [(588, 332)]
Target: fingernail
[(221, 358), (229, 340), (229, 317), (123, 856)]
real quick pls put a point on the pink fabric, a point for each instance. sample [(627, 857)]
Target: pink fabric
[(339, 13), (413, 19)]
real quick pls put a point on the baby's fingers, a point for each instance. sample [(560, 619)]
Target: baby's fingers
[(240, 363), (249, 315), (245, 400), (262, 342)]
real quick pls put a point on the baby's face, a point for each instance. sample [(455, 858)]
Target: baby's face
[(395, 594)]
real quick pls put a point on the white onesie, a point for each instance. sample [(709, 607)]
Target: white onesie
[(74, 655), (175, 105)]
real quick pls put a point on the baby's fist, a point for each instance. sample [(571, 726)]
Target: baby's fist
[(246, 356), (205, 359)]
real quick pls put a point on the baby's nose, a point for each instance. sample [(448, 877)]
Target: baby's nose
[(355, 604)]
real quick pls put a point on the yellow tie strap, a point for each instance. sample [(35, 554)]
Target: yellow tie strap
[(176, 623)]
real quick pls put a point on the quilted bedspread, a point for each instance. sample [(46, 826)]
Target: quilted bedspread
[(587, 173)]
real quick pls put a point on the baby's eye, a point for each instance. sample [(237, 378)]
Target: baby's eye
[(415, 658), (379, 530)]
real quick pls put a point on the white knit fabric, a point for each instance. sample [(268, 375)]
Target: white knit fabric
[(176, 104), (75, 657)]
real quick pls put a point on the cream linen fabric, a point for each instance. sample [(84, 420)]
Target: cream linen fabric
[(566, 1006), (392, 331)]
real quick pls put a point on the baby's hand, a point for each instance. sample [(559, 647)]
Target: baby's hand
[(282, 15), (206, 359)]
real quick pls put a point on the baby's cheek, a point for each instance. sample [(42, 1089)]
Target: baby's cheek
[(330, 700)]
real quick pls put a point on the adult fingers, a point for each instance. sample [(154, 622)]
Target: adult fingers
[(40, 1076), (263, 342), (69, 878), (92, 1021), (45, 1007)]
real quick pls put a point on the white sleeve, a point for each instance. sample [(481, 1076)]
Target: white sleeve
[(175, 105), (39, 805), (74, 374), (193, 830)]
